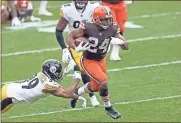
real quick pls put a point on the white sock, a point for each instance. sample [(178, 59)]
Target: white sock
[(107, 104), (115, 50), (43, 5), (30, 5), (81, 90)]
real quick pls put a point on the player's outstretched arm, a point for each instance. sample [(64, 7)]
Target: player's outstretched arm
[(62, 92), (74, 34), (68, 92)]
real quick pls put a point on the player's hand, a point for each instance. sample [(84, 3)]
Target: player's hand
[(33, 19), (66, 56), (77, 75), (84, 101), (82, 47), (15, 22)]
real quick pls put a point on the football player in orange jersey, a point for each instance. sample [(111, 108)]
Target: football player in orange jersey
[(15, 21), (23, 10), (99, 32), (119, 12)]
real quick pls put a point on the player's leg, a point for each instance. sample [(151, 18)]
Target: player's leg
[(43, 10), (86, 88), (76, 57), (121, 17), (121, 20), (29, 12), (115, 48), (93, 99), (99, 82), (6, 103)]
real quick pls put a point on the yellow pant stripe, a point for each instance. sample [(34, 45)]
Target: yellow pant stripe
[(3, 97), (76, 57)]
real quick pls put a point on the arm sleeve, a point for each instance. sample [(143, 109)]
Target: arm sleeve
[(60, 38)]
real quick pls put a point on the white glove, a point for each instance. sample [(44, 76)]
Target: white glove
[(84, 101), (77, 75), (66, 56), (116, 41), (33, 19), (82, 48), (70, 67), (15, 22)]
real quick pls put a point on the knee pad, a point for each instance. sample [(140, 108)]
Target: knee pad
[(103, 92)]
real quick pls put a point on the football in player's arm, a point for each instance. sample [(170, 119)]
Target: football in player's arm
[(41, 85)]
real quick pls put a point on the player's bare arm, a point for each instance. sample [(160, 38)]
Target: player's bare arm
[(68, 92), (123, 46), (74, 34), (62, 92)]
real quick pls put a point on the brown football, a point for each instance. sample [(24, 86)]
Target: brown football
[(80, 39)]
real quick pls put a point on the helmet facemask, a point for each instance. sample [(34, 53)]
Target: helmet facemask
[(80, 4), (105, 23)]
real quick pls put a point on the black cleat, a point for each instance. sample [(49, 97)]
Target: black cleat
[(114, 114), (74, 101)]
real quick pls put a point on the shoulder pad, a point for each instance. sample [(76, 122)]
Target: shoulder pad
[(42, 77)]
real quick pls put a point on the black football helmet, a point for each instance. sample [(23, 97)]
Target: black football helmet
[(53, 69), (80, 4)]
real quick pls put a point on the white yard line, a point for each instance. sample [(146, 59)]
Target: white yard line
[(125, 68), (154, 15), (79, 109), (55, 49)]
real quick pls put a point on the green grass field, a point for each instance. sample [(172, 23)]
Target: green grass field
[(145, 86)]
